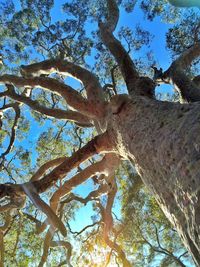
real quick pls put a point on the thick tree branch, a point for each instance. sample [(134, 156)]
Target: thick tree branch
[(33, 188), (72, 97), (189, 91), (123, 59), (41, 205), (45, 167), (50, 112), (46, 245), (99, 144), (134, 83), (185, 60), (76, 180), (90, 81), (106, 166), (100, 167)]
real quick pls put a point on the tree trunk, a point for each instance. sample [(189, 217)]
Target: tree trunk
[(162, 139)]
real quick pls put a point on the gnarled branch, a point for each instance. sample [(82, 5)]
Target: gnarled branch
[(189, 91), (123, 59), (72, 97), (134, 83), (90, 81), (33, 188), (106, 166)]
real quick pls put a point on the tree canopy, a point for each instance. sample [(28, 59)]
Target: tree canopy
[(66, 197)]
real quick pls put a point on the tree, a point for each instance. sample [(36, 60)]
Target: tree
[(160, 138)]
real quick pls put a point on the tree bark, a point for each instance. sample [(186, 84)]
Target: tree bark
[(162, 140)]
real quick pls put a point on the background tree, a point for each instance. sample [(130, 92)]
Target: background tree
[(86, 128)]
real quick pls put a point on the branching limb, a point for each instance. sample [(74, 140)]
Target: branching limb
[(99, 144), (100, 167), (48, 243), (134, 83), (108, 219), (72, 97), (90, 81), (33, 188), (46, 246), (189, 90), (108, 223), (75, 181), (106, 214), (106, 166), (41, 205), (123, 59), (94, 195), (117, 233), (46, 166)]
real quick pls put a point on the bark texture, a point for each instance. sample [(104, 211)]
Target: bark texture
[(163, 142)]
